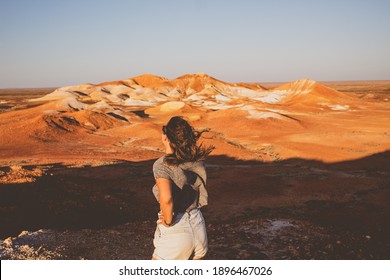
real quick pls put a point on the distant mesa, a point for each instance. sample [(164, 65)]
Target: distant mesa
[(199, 90), (307, 91), (109, 104), (298, 86)]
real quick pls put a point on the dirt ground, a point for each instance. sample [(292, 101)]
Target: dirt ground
[(292, 209), (87, 195)]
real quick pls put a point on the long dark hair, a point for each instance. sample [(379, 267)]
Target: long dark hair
[(183, 141)]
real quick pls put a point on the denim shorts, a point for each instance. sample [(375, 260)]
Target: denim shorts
[(186, 237)]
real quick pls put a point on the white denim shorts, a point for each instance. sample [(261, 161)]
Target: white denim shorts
[(186, 237)]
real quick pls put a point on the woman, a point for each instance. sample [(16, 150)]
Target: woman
[(181, 191)]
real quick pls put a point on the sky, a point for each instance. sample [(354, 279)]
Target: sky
[(59, 43)]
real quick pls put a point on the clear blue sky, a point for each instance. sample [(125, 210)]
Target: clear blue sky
[(69, 42)]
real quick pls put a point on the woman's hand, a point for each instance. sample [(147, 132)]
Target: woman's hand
[(161, 220)]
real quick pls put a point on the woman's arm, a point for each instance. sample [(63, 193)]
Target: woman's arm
[(166, 200)]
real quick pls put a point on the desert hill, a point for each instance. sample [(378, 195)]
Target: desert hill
[(198, 89), (303, 118), (312, 93)]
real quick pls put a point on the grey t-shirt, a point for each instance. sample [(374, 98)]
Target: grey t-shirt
[(188, 183)]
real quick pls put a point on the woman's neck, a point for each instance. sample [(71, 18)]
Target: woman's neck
[(168, 150)]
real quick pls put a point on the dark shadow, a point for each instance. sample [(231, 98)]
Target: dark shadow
[(119, 117), (78, 197), (349, 196), (141, 113)]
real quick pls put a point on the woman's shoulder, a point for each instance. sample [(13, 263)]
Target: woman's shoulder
[(159, 163), (160, 169)]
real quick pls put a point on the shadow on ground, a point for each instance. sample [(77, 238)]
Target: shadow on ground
[(290, 209)]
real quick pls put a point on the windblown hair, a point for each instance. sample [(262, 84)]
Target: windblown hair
[(183, 141)]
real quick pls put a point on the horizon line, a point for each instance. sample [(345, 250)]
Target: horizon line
[(248, 82)]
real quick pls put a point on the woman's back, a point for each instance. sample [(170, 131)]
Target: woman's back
[(188, 183)]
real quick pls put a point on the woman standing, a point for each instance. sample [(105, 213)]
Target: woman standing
[(181, 191)]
